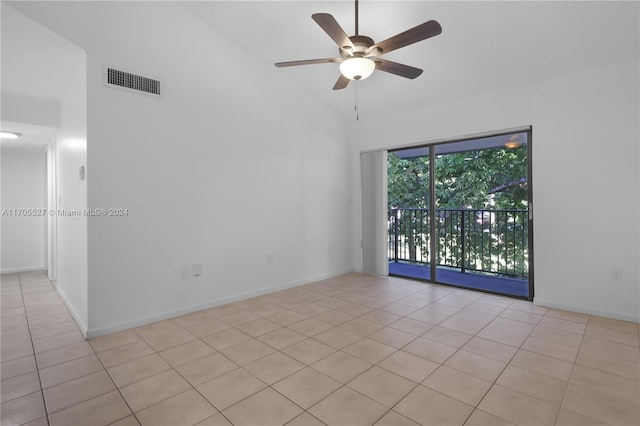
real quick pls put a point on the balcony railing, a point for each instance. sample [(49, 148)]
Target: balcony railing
[(485, 241)]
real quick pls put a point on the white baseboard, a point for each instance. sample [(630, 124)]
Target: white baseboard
[(74, 314), (22, 269), (125, 325), (623, 316)]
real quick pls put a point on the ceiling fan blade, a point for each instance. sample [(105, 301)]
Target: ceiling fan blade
[(341, 83), (308, 62), (397, 69), (329, 24), (414, 35)]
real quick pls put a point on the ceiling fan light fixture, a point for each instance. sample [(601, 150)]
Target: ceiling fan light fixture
[(357, 68)]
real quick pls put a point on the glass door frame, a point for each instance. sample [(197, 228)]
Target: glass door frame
[(433, 206)]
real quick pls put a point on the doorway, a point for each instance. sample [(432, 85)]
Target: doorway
[(459, 213)]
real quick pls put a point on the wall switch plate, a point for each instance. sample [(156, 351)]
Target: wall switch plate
[(196, 270), (184, 271)]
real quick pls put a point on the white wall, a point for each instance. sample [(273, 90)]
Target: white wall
[(71, 154), (585, 177), (22, 109), (23, 236), (223, 171)]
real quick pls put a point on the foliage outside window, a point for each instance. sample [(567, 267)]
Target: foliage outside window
[(481, 217)]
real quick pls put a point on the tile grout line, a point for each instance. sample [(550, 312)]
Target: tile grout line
[(184, 378), (270, 386), (248, 308), (520, 348), (573, 366), (477, 407), (417, 384), (449, 357), (114, 384), (224, 355), (35, 359), (193, 387), (343, 385), (94, 353)]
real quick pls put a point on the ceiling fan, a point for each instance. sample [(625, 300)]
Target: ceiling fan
[(360, 55)]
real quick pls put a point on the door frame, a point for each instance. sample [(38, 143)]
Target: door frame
[(52, 210), (432, 201), (373, 186)]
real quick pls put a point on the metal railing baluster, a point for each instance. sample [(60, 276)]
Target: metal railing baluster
[(471, 240)]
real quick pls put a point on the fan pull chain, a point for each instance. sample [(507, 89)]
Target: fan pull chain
[(356, 107)]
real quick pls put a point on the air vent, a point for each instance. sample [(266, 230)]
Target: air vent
[(132, 82)]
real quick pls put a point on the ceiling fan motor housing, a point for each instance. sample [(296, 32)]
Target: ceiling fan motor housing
[(361, 44)]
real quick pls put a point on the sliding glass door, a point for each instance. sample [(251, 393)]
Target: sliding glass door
[(459, 213), (409, 195)]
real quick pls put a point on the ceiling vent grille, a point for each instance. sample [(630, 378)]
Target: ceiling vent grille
[(131, 82)]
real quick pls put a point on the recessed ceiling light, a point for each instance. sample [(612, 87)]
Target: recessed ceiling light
[(9, 135)]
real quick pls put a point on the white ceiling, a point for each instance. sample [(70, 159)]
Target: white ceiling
[(36, 63), (484, 46), (33, 137)]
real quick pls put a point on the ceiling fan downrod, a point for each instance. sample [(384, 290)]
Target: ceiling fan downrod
[(356, 17)]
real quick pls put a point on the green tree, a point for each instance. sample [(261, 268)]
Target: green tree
[(408, 187), (490, 179)]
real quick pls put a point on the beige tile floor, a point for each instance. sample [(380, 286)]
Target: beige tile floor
[(353, 350)]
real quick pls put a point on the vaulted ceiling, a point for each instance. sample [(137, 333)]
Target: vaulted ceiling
[(484, 46), (36, 62), (37, 66)]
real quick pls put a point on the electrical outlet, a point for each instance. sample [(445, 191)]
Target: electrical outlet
[(617, 274), (270, 258), (184, 271), (196, 270)]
